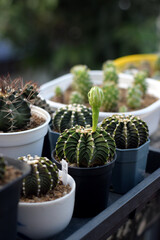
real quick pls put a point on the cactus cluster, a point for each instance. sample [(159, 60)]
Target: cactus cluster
[(81, 80), (71, 115), (111, 97), (43, 176), (2, 167), (87, 147), (127, 131)]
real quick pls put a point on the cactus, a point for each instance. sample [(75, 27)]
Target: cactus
[(123, 109), (111, 97), (58, 92), (127, 131), (2, 167), (43, 176), (134, 97), (42, 104), (110, 75), (87, 147), (140, 79), (75, 98), (108, 64), (15, 110), (71, 115), (81, 80)]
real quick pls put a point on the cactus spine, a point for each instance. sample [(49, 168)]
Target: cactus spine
[(2, 167), (111, 96), (127, 131), (43, 176)]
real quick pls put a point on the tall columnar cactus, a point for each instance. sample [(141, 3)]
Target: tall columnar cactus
[(2, 167), (75, 97), (15, 110), (140, 79), (43, 176), (111, 97), (81, 80), (87, 147), (108, 64), (71, 115), (134, 97), (127, 131), (110, 75)]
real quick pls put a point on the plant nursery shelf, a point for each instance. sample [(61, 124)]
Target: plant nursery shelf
[(119, 209)]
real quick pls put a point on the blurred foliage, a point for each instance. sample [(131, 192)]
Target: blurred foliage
[(63, 33)]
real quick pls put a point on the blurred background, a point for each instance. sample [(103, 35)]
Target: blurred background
[(42, 39)]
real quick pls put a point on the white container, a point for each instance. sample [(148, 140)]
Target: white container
[(30, 141), (150, 114), (42, 220)]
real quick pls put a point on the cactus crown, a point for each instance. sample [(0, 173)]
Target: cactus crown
[(108, 64), (87, 147), (111, 96), (2, 167), (71, 115), (14, 103), (43, 176), (127, 131)]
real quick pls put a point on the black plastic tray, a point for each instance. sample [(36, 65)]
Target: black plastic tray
[(119, 207)]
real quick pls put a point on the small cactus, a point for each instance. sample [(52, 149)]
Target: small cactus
[(75, 98), (2, 167), (42, 104), (108, 64), (110, 75), (43, 176), (71, 115), (140, 79), (123, 109), (81, 80), (111, 97), (87, 147), (127, 131), (134, 97)]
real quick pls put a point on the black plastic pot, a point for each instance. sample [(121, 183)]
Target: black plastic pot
[(92, 188), (9, 198)]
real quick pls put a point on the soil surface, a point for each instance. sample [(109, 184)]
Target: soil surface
[(146, 101), (11, 173)]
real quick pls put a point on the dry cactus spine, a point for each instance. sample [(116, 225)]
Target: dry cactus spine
[(81, 80), (87, 147), (140, 79), (134, 97), (2, 167), (71, 115), (110, 75), (43, 176), (127, 131), (75, 97), (111, 96)]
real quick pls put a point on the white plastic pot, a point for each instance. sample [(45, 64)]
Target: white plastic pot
[(30, 141), (42, 220), (149, 114)]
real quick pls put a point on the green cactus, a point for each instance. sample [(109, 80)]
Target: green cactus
[(123, 109), (140, 79), (110, 75), (81, 80), (111, 97), (42, 104), (2, 167), (15, 110), (108, 64), (134, 97), (71, 115), (58, 92), (127, 131), (87, 147), (75, 97), (43, 176)]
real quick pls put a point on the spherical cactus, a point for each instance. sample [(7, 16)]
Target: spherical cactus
[(127, 131), (71, 115), (111, 97), (43, 176), (140, 79), (84, 147), (42, 104), (134, 97), (75, 97), (81, 80), (110, 75), (108, 64), (2, 167)]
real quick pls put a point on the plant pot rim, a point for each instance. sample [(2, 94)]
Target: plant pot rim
[(58, 200), (133, 149), (34, 109)]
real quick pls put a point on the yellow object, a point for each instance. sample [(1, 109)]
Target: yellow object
[(136, 59)]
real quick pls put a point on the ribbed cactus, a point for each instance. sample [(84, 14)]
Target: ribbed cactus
[(134, 97), (43, 176), (71, 115), (108, 64), (14, 104), (87, 147), (140, 79), (81, 80), (111, 97), (110, 75), (2, 167), (127, 131), (75, 97), (42, 104)]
